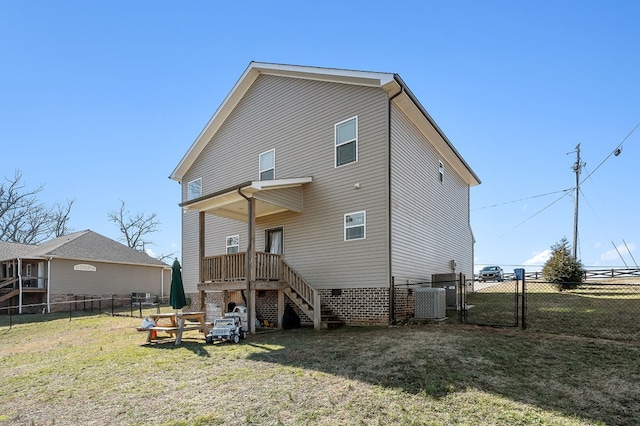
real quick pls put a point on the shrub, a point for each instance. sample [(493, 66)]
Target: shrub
[(562, 269)]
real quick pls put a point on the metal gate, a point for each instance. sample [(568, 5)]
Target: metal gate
[(495, 303)]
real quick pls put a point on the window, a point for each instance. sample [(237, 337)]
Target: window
[(233, 244), (194, 189), (441, 171), (355, 226), (28, 269), (346, 134), (268, 165)]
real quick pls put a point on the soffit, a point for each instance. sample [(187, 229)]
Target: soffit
[(231, 204)]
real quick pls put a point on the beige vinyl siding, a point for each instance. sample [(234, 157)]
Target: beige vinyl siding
[(287, 196), (296, 117), (430, 219), (108, 278)]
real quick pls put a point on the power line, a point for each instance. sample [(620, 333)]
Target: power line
[(540, 211), (523, 199), (615, 152)]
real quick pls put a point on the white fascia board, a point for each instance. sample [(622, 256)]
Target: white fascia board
[(361, 78), (263, 185), (221, 114)]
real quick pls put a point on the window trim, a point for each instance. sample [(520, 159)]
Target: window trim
[(363, 225), (189, 197), (336, 144), (227, 246), (273, 166)]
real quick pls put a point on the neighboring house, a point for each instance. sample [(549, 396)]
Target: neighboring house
[(321, 187), (81, 264)]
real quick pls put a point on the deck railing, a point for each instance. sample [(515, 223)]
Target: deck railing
[(268, 267), (232, 267), (227, 267)]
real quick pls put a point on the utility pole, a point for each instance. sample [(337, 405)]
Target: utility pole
[(577, 168)]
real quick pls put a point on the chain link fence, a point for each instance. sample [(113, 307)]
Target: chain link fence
[(137, 305), (606, 308)]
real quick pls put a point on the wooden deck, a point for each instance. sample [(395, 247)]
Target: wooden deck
[(228, 272)]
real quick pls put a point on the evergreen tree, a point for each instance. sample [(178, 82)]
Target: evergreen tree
[(562, 269)]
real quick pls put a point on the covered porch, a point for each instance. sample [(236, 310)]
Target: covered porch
[(250, 271), (23, 281)]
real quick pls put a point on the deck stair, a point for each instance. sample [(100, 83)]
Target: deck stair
[(307, 299), (6, 296)]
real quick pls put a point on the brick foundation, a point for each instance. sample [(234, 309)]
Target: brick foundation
[(354, 306), (358, 306)]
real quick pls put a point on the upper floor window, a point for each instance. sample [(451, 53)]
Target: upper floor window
[(194, 189), (268, 165), (233, 244), (441, 171), (355, 226), (346, 135)]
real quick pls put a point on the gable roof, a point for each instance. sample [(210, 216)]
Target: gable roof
[(391, 83), (83, 245)]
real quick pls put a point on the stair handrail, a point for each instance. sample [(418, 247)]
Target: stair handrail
[(8, 282), (298, 284)]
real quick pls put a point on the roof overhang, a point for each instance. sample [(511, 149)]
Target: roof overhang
[(271, 196)]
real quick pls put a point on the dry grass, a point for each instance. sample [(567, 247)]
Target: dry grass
[(95, 370)]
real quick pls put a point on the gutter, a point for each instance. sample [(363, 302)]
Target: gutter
[(389, 233)]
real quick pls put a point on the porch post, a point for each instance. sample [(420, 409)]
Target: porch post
[(251, 264), (280, 307)]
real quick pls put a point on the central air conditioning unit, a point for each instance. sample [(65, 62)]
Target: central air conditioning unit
[(431, 303)]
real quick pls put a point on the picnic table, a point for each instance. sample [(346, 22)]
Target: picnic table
[(175, 323)]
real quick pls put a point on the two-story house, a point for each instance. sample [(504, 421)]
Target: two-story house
[(319, 187)]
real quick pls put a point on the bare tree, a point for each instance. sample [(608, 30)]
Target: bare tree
[(24, 219), (166, 258), (134, 228)]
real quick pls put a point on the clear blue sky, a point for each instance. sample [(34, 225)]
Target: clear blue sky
[(100, 100)]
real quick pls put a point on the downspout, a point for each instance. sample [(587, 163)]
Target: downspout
[(389, 236), (49, 285), (247, 264), (19, 285)]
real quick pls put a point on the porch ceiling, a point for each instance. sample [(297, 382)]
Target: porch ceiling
[(271, 196)]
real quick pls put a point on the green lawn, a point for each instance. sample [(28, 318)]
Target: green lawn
[(96, 370)]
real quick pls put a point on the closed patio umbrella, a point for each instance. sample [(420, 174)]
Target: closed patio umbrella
[(177, 299)]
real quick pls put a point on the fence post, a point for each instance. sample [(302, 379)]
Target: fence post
[(70, 311), (112, 304)]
